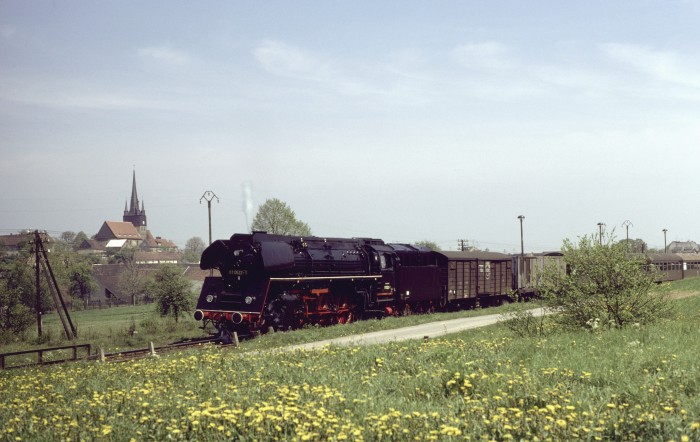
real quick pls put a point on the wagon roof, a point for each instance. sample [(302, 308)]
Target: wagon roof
[(492, 256), (550, 253), (664, 257)]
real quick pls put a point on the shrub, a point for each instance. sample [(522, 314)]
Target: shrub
[(603, 285)]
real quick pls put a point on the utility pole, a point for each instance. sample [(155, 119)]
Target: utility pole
[(209, 196), (665, 248), (61, 308), (37, 306), (627, 224), (522, 252), (462, 245), (600, 229)]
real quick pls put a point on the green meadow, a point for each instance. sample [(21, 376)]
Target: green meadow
[(639, 383)]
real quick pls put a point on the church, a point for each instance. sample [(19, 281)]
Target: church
[(133, 233)]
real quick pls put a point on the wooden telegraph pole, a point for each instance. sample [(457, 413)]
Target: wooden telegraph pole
[(42, 261), (37, 306)]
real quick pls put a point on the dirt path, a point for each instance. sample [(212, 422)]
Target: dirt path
[(430, 330), (678, 294)]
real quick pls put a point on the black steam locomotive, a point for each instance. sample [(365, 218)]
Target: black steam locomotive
[(284, 282)]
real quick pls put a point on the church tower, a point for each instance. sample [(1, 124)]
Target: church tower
[(134, 214)]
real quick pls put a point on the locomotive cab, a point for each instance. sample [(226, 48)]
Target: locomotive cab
[(233, 297)]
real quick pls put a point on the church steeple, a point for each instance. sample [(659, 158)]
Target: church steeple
[(135, 215), (134, 208)]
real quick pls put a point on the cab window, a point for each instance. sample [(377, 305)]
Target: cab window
[(386, 261)]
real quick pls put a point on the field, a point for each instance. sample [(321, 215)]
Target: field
[(633, 384)]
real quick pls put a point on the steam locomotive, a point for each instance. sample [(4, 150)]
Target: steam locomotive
[(284, 282)]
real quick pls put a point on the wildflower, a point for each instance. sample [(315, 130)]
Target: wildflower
[(450, 431)]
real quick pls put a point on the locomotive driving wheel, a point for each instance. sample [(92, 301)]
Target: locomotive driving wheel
[(347, 314), (280, 314)]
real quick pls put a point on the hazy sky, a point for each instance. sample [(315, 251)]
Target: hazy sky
[(438, 120)]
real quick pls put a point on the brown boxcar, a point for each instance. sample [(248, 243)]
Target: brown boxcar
[(482, 276)]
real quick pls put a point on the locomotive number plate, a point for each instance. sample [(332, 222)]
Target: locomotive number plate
[(238, 272)]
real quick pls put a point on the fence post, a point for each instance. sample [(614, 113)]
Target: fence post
[(235, 339), (102, 354), (152, 348)]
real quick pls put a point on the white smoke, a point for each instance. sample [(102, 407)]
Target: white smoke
[(248, 203)]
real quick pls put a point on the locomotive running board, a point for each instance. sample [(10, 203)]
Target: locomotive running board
[(322, 278)]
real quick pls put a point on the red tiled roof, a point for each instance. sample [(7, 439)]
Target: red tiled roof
[(123, 230), (158, 242), (13, 241)]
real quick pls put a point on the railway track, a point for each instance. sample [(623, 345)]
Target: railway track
[(151, 351), (43, 355)]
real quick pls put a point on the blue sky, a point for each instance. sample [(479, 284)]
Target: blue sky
[(421, 120)]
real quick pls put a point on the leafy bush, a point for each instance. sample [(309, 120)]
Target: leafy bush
[(604, 286)]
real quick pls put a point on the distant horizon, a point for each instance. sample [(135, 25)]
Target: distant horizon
[(55, 233)]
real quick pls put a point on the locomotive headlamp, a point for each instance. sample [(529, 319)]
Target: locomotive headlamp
[(210, 298), (249, 299)]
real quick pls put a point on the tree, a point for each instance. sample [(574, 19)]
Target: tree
[(18, 291), (275, 217), (121, 256), (604, 286), (193, 249), (82, 282), (636, 245), (429, 244), (15, 316), (78, 240), (132, 281), (68, 237), (171, 290)]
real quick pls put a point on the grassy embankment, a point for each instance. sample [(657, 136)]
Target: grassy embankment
[(130, 327), (637, 383)]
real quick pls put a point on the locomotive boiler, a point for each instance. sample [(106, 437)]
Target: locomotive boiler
[(287, 282)]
